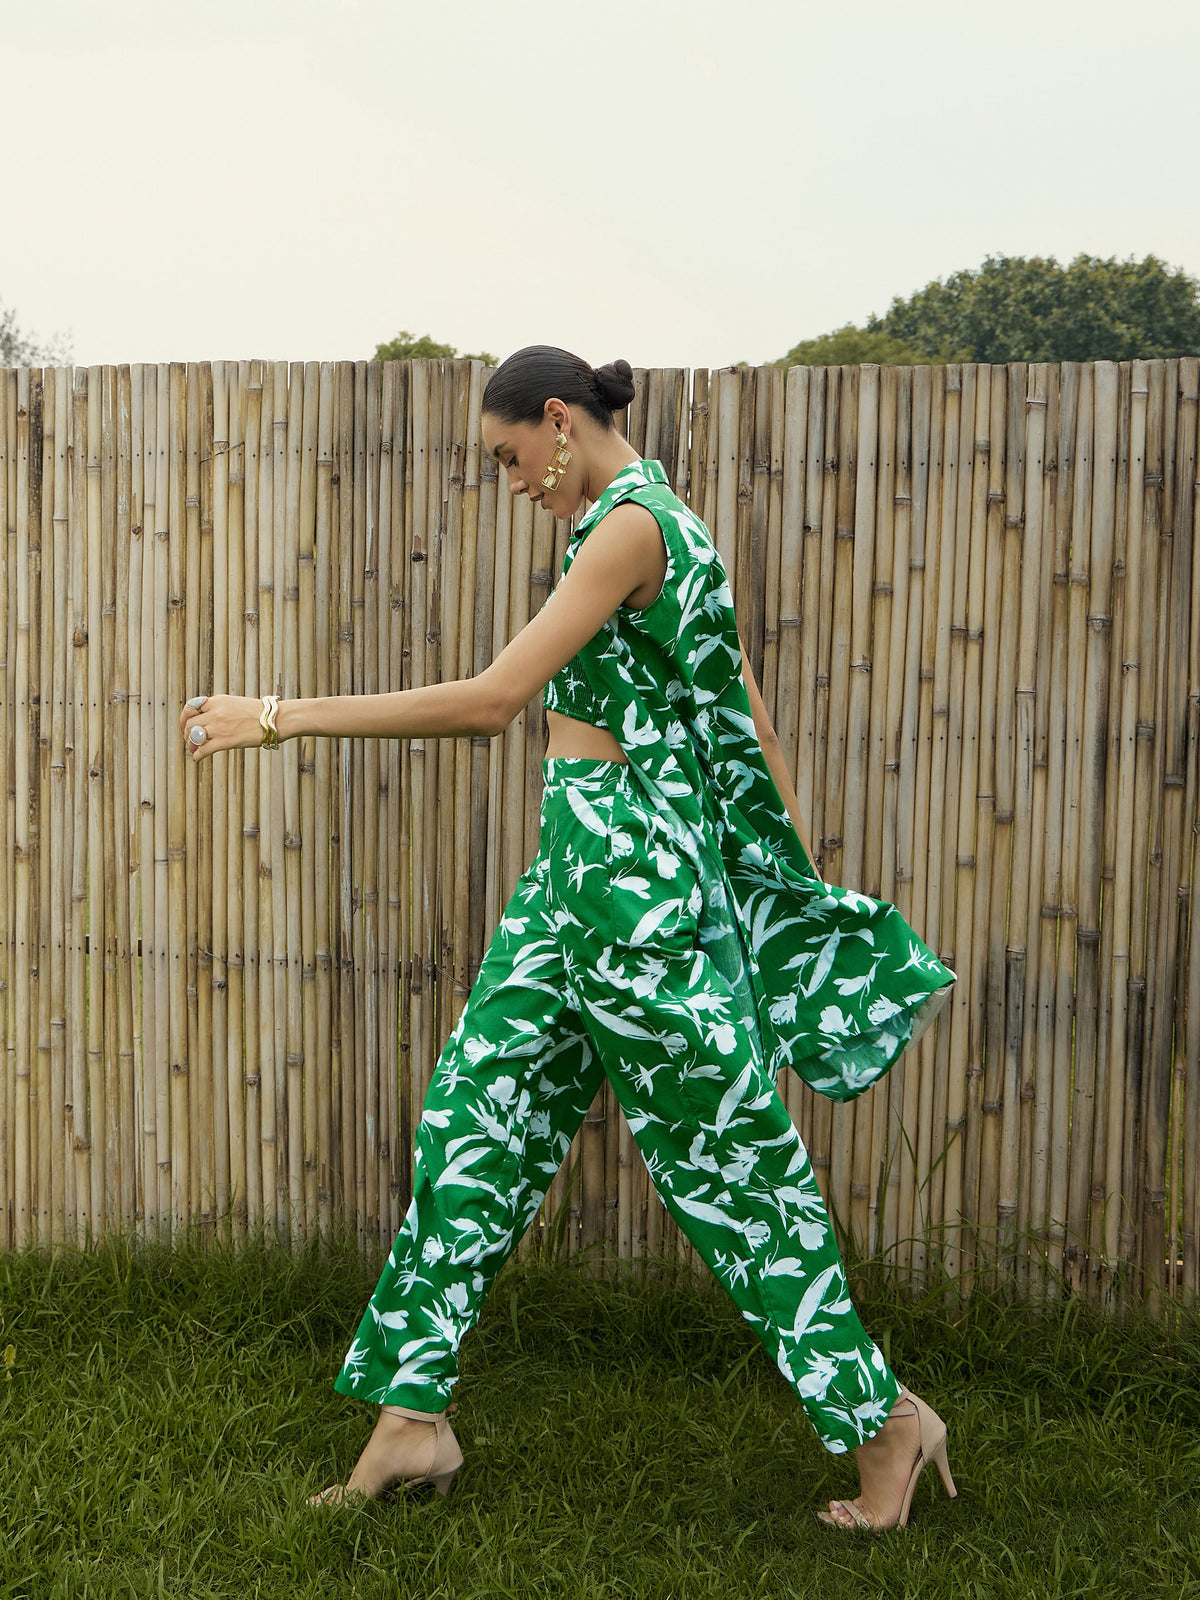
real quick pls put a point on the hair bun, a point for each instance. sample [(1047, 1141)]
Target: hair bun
[(615, 382)]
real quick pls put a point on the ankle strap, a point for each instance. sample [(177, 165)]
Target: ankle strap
[(416, 1416)]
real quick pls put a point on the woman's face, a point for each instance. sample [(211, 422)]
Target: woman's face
[(525, 450)]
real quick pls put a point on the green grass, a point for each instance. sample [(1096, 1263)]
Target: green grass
[(164, 1416)]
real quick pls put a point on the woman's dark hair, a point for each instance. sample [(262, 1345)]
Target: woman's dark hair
[(520, 386)]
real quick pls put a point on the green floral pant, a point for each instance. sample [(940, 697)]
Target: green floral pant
[(596, 968)]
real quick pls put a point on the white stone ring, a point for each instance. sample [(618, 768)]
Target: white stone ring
[(197, 735), (197, 701)]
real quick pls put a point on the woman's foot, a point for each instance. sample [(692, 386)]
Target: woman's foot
[(889, 1465), (406, 1447)]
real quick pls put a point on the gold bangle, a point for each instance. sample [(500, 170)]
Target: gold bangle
[(270, 738)]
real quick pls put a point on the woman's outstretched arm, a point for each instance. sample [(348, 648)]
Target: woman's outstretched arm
[(621, 554)]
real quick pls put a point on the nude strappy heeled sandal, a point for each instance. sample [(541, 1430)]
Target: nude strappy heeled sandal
[(445, 1459), (931, 1448)]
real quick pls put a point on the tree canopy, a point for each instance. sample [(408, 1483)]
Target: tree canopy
[(404, 347), (1018, 308), (850, 346)]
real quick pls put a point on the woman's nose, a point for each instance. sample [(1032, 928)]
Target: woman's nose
[(516, 483)]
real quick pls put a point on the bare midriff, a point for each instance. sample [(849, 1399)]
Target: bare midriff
[(580, 741)]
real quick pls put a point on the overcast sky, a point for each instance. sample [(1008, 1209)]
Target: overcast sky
[(677, 183)]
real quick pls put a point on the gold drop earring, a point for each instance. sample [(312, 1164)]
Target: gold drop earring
[(559, 462)]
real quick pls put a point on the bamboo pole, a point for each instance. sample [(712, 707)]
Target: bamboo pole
[(308, 852), (1102, 1286), (1074, 522), (1049, 736), (1184, 781), (465, 486), (996, 600), (272, 1140), (1141, 944), (772, 425), (96, 887), (393, 567), (206, 954), (851, 1153), (341, 866), (909, 462), (420, 751), (1160, 1206), (789, 689), (1125, 741), (882, 607), (117, 1200), (399, 804), (169, 782), (850, 723), (432, 1029), (321, 624), (8, 977), (386, 956), (197, 832), (289, 444), (41, 665), (154, 805), (817, 593), (134, 612), (1150, 1239), (41, 931), (751, 521), (461, 579), (123, 933), (54, 735), (213, 1061), (960, 1079), (24, 991), (229, 506), (250, 383), (1189, 1120), (1106, 1282), (275, 805), (928, 899), (720, 501), (871, 1116), (367, 401), (817, 1125), (1094, 505), (1027, 835), (903, 1090)]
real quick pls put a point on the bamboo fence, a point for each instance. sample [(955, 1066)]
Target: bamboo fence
[(972, 598)]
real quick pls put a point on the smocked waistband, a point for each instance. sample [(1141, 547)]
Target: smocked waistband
[(587, 773)]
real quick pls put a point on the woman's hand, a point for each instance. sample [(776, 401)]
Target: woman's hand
[(230, 722)]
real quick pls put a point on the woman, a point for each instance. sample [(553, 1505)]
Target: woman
[(671, 933)]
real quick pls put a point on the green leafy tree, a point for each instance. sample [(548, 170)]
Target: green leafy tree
[(404, 347), (852, 347), (19, 350), (1019, 308)]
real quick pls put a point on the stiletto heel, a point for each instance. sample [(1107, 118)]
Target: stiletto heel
[(444, 1463), (942, 1462), (931, 1447)]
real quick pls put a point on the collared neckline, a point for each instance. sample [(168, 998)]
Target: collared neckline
[(636, 475)]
